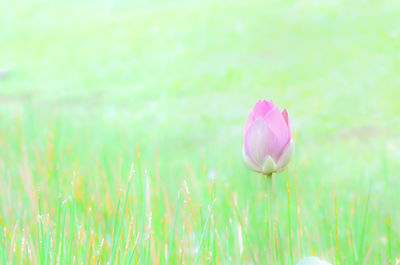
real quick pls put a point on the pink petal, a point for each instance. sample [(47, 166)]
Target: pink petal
[(261, 108), (260, 141), (277, 125), (286, 156), (285, 115)]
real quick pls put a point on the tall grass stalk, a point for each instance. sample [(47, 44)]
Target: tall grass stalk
[(246, 236), (288, 216), (172, 232), (389, 240), (336, 230), (363, 229), (205, 228)]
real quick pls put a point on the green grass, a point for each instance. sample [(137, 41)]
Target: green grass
[(97, 87)]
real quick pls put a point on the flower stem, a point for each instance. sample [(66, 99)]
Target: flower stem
[(268, 183), (289, 223)]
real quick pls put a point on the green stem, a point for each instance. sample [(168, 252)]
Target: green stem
[(268, 182), (289, 223)]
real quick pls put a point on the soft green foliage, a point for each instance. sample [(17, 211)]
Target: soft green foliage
[(94, 87)]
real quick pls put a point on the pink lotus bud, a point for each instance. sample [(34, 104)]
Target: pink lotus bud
[(268, 145)]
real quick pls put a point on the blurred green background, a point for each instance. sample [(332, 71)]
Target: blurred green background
[(87, 83)]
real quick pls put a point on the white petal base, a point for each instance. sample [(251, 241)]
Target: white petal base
[(249, 162)]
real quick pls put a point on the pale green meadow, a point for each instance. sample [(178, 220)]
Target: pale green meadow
[(121, 128)]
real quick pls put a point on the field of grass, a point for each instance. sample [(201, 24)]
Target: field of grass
[(121, 131)]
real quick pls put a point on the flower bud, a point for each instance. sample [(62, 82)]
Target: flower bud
[(268, 145)]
